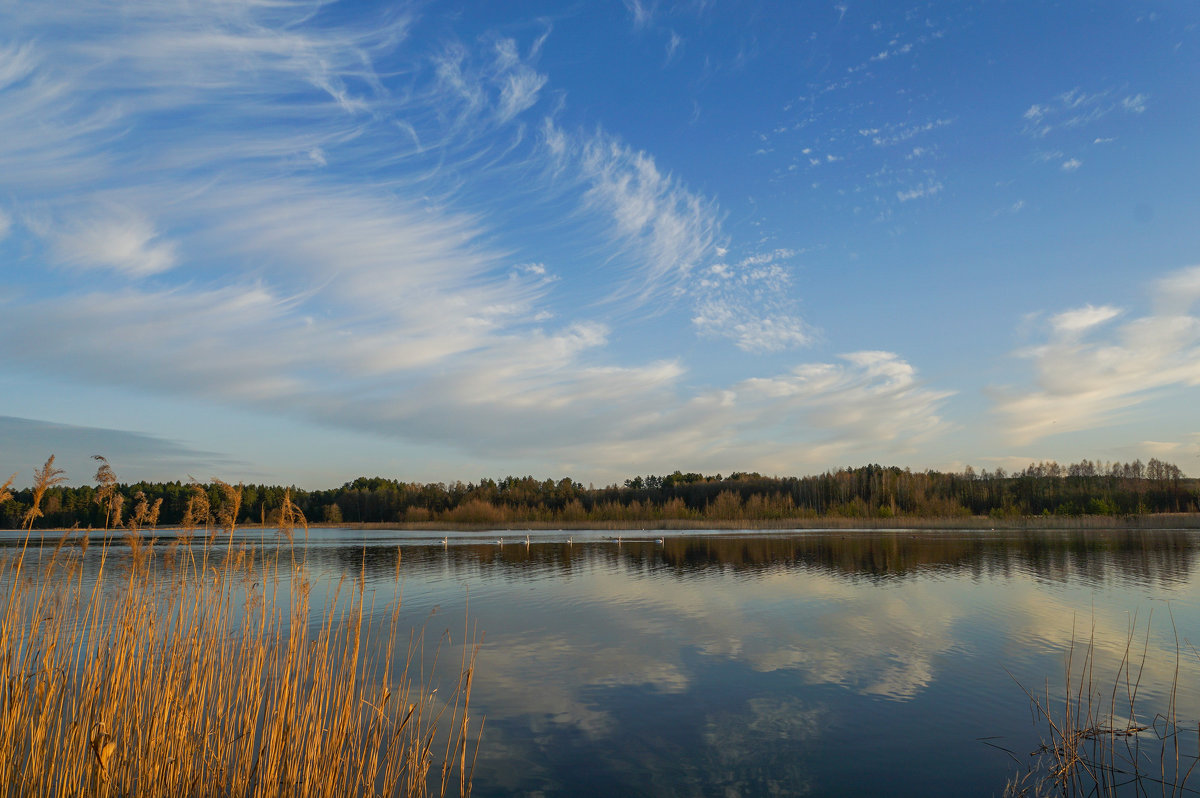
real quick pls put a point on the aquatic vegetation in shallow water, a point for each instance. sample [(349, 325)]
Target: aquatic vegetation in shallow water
[(1098, 743), (202, 673)]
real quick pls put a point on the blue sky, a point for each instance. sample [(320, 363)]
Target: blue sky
[(302, 242)]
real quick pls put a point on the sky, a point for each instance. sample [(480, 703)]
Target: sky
[(300, 242)]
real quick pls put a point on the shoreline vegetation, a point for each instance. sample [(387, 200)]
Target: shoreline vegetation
[(1149, 522), (1163, 521), (1046, 495)]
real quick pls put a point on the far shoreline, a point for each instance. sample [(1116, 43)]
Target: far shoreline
[(1147, 522), (1152, 521)]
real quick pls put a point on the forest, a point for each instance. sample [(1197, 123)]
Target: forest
[(871, 491)]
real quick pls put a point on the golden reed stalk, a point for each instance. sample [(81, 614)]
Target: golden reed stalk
[(201, 675)]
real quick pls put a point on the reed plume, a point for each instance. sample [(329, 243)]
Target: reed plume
[(116, 504), (231, 505), (43, 478), (5, 493), (106, 487), (197, 512), (290, 517), (140, 514), (137, 520)]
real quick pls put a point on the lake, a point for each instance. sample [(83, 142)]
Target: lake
[(767, 663)]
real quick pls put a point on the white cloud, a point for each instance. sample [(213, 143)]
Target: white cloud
[(1077, 109), (667, 229), (1071, 164), (673, 45), (495, 392), (537, 269), (750, 332), (325, 246), (1135, 104), (5, 225), (17, 62), (642, 13), (519, 92), (767, 258), (920, 192), (1081, 319), (750, 303), (899, 133), (117, 238), (1086, 375), (875, 396), (519, 83)]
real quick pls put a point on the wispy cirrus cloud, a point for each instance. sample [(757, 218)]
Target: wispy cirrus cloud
[(1088, 372), (642, 12), (892, 134), (303, 221), (117, 238), (668, 228), (1077, 109)]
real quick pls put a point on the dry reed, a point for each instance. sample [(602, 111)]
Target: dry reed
[(209, 678), (106, 487), (291, 517), (1096, 743), (44, 478), (231, 505)]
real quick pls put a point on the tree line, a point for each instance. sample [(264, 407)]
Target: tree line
[(871, 491)]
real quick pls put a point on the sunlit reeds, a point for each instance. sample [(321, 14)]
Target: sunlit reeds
[(5, 493), (231, 505), (290, 517), (44, 478), (106, 487), (211, 677), (197, 513)]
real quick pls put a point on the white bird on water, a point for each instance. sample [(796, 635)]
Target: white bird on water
[(659, 541), (445, 541)]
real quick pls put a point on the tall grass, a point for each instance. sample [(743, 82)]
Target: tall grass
[(203, 673), (1098, 742)]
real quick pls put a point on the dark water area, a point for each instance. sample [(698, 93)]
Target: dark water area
[(765, 663)]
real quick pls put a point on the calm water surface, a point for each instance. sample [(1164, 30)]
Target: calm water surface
[(737, 664)]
